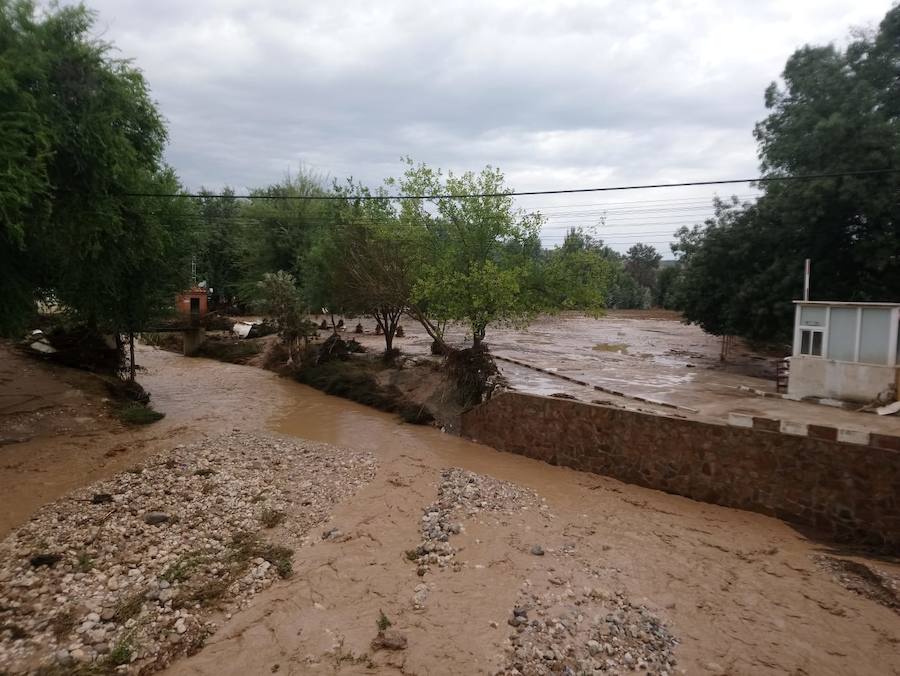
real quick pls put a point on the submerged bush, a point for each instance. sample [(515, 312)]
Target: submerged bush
[(357, 381), (134, 413)]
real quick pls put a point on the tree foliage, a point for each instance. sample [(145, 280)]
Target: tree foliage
[(474, 265), (281, 303), (642, 263), (835, 111), (361, 263), (278, 231), (218, 245), (577, 274), (78, 133)]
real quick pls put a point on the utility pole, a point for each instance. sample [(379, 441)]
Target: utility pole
[(806, 280)]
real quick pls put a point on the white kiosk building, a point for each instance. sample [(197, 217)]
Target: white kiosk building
[(848, 351)]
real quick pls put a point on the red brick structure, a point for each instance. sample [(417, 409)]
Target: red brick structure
[(191, 304)]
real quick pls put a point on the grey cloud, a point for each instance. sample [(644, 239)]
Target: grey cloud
[(554, 93)]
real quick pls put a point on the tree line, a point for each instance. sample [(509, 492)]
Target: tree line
[(443, 257), (95, 225)]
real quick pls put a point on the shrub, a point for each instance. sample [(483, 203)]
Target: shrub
[(134, 413)]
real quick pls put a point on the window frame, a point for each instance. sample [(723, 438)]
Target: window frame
[(813, 332)]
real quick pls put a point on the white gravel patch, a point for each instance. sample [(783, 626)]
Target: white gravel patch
[(587, 631), (129, 573), (462, 495)]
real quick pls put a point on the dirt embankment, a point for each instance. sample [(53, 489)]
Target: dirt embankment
[(58, 432)]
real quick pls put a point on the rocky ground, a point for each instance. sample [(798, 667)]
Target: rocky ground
[(555, 628), (131, 572), (588, 631), (464, 495), (864, 579)]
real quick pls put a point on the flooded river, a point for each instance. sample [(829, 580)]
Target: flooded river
[(741, 592)]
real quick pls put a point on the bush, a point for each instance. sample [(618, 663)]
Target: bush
[(134, 413), (470, 371), (356, 381)]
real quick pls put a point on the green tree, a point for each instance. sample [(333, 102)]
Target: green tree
[(642, 263), (474, 265), (279, 230), (835, 111), (668, 286), (577, 275), (25, 152), (71, 234), (218, 245), (362, 263), (281, 303)]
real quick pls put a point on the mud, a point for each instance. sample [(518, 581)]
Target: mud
[(647, 354), (739, 592)]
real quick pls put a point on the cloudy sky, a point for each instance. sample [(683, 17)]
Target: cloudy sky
[(557, 94)]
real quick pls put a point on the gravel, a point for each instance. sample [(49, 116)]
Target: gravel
[(125, 575), (585, 632), (463, 495), (865, 580)]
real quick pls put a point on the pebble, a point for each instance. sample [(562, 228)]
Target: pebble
[(154, 518), (566, 641), (116, 556), (466, 494), (537, 550)]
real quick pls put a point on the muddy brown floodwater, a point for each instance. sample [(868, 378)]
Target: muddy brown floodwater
[(741, 593)]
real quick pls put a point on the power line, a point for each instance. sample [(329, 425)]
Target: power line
[(566, 191)]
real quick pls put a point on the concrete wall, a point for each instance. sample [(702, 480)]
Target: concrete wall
[(849, 492), (192, 340), (817, 377)]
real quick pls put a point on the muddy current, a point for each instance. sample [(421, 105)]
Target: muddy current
[(725, 591)]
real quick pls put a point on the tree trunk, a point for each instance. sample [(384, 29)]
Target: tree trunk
[(131, 355), (430, 329), (478, 336), (388, 319)]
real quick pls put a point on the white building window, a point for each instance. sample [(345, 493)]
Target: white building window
[(811, 342)]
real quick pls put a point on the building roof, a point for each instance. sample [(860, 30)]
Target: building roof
[(842, 303)]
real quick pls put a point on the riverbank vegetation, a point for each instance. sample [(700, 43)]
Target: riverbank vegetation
[(98, 231)]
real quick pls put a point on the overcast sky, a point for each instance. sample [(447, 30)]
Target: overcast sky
[(557, 94)]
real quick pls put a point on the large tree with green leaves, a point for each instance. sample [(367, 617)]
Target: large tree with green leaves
[(278, 229), (79, 134), (362, 260), (642, 263), (474, 263), (836, 110), (218, 245), (577, 275)]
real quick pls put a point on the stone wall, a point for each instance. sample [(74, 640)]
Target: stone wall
[(849, 492)]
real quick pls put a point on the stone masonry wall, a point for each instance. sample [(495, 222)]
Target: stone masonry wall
[(848, 492)]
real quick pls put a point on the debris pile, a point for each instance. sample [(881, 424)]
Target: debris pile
[(586, 632), (862, 579), (125, 574), (462, 495)]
